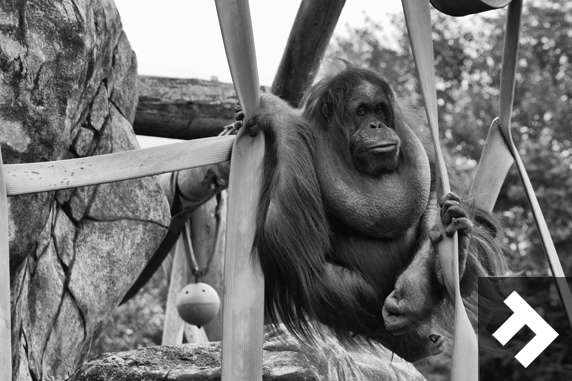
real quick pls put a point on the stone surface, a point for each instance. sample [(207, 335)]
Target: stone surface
[(285, 359), (68, 88)]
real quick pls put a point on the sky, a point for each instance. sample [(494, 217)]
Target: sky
[(182, 39)]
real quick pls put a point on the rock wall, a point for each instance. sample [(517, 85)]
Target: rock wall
[(68, 88)]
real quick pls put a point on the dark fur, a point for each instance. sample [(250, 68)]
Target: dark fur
[(319, 266)]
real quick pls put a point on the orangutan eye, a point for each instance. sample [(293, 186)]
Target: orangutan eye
[(361, 111), (379, 110)]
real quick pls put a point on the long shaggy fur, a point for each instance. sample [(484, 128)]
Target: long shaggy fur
[(292, 233)]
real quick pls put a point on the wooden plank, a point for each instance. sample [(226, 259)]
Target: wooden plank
[(243, 301), (5, 312), (54, 175), (313, 27)]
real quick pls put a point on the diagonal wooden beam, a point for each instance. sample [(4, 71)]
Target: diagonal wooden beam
[(313, 27)]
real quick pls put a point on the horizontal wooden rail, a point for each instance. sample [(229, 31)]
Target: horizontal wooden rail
[(53, 175)]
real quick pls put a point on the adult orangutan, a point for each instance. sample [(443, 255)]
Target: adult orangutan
[(346, 222)]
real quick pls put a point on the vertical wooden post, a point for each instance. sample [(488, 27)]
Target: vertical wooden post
[(243, 301), (173, 325), (208, 227), (5, 311)]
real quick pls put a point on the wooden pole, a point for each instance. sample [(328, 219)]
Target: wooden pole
[(173, 325), (307, 43)]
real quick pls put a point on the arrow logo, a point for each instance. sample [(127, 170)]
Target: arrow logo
[(523, 315)]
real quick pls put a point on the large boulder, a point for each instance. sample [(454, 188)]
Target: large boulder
[(285, 359), (68, 89)]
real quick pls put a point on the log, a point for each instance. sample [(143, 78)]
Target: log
[(185, 109), (307, 43)]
